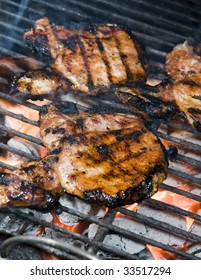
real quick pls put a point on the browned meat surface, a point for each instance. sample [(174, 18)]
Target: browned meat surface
[(145, 100), (16, 192), (39, 84), (187, 97), (90, 59), (108, 159), (183, 63), (64, 119)]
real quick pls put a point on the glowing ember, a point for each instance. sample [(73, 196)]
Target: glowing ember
[(132, 207), (181, 202), (40, 231), (77, 228)]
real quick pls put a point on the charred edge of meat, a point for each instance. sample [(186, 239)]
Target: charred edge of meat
[(25, 194), (180, 113), (66, 108), (129, 196), (196, 122), (70, 108), (172, 152), (38, 43), (146, 100), (48, 73)]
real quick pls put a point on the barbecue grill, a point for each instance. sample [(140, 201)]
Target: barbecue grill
[(120, 233)]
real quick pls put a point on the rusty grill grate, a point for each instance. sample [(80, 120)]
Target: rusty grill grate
[(159, 25)]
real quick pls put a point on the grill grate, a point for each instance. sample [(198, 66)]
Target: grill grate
[(159, 25)]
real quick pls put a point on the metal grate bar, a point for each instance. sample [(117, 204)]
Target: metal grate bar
[(18, 117), (139, 24), (5, 51), (184, 175), (17, 16), (14, 28), (160, 225), (183, 127), (177, 10), (76, 15), (181, 192), (14, 40), (183, 6), (7, 166), (102, 232), (18, 152), (128, 234), (21, 5), (147, 16), (182, 142), (147, 38), (22, 135), (174, 209), (19, 101), (189, 160), (113, 228), (68, 233)]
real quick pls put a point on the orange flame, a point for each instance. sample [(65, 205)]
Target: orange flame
[(181, 202)]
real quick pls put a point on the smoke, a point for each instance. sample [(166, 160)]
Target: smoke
[(16, 21), (22, 7)]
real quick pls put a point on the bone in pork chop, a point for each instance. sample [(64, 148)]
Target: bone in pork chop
[(90, 59), (109, 159)]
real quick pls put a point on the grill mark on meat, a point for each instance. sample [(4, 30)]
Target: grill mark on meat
[(194, 110), (122, 55), (86, 61), (79, 123), (55, 151), (134, 136), (102, 52), (59, 130), (130, 55), (104, 58), (116, 67), (71, 43), (71, 64), (198, 97)]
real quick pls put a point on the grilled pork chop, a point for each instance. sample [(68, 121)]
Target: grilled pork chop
[(90, 59), (183, 63), (108, 159), (16, 192), (39, 84), (187, 98)]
